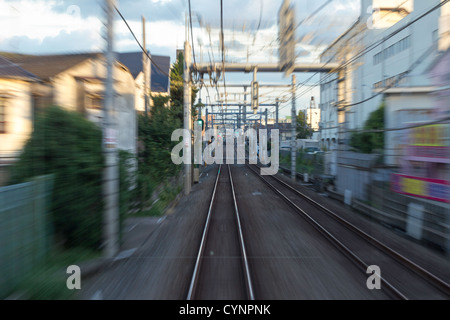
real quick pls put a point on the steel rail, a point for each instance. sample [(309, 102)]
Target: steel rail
[(194, 279), (248, 281), (196, 273), (350, 254), (428, 276)]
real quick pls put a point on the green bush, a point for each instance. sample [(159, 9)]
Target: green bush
[(369, 142), (127, 185), (65, 144)]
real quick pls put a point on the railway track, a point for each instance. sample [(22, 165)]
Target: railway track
[(401, 277), (221, 270)]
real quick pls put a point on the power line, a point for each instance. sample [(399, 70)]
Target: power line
[(142, 48), (394, 83), (373, 45), (425, 124), (192, 34), (377, 43), (314, 13), (223, 50)]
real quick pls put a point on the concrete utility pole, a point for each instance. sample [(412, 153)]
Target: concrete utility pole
[(245, 107), (293, 131), (145, 66), (110, 186), (266, 112), (239, 117), (277, 108), (187, 119)]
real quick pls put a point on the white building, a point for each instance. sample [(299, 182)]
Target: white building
[(385, 58), (313, 118)]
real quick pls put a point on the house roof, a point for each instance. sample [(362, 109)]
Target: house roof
[(160, 81), (11, 70), (46, 66)]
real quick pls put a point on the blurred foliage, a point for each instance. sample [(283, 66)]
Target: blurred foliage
[(177, 90), (303, 129), (47, 281), (155, 132), (69, 146), (370, 142), (305, 163), (127, 184)]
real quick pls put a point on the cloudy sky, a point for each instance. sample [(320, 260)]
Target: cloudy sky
[(72, 26)]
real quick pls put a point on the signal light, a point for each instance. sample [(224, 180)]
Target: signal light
[(255, 96)]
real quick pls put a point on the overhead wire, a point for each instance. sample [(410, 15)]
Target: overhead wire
[(372, 46), (223, 50), (196, 78), (142, 48)]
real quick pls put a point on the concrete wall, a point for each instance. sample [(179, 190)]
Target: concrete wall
[(354, 173), (25, 231), (434, 224)]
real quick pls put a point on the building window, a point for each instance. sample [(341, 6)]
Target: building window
[(392, 50), (95, 102), (2, 115)]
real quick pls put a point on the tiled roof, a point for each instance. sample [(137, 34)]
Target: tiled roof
[(133, 61), (11, 70), (47, 66)]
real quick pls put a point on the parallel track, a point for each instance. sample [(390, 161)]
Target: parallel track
[(346, 246)]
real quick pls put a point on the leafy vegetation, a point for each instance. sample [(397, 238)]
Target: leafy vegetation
[(155, 145), (65, 144), (305, 163), (370, 142), (303, 130), (47, 281)]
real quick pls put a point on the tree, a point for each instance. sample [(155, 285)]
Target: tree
[(155, 133), (68, 146), (177, 87), (369, 142), (303, 130)]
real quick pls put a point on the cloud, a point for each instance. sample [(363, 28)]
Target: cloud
[(65, 42), (43, 26)]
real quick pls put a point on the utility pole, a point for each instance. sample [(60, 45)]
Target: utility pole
[(277, 107), (266, 117), (145, 66), (187, 119), (293, 131), (110, 230), (239, 118), (245, 107)]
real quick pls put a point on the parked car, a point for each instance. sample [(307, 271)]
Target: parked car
[(312, 150)]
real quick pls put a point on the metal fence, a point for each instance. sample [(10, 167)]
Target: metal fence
[(25, 229)]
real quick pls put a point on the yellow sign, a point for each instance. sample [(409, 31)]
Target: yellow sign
[(413, 186), (429, 136)]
